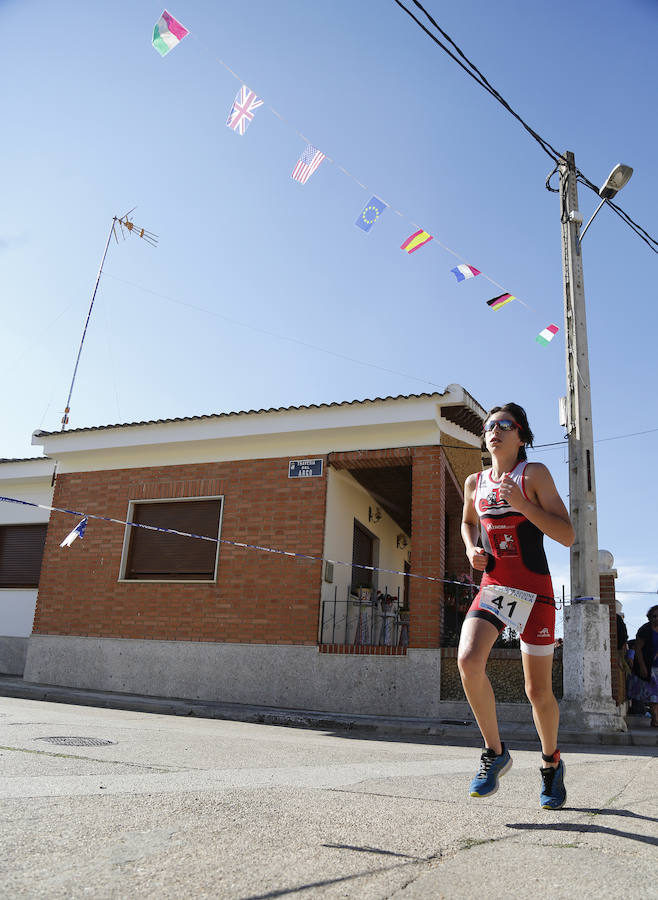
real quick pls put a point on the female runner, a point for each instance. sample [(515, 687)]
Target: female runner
[(513, 505)]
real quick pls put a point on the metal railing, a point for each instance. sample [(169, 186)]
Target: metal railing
[(376, 622)]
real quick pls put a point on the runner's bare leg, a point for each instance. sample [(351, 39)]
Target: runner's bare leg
[(477, 638), (538, 673)]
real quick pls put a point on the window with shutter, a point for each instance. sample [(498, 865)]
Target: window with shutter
[(154, 556), (361, 555), (21, 551)]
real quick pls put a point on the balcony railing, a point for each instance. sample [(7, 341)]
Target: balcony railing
[(365, 620)]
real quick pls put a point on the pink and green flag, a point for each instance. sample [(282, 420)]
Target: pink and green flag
[(547, 334), (167, 33), (415, 241)]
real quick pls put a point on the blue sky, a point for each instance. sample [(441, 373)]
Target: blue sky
[(252, 266)]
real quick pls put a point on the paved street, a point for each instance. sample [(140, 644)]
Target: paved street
[(188, 807)]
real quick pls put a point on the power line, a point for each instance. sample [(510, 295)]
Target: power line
[(616, 437), (471, 69), (477, 76)]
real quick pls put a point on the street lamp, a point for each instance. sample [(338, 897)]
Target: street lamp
[(587, 700), (615, 181)]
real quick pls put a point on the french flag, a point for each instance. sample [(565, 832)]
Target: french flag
[(463, 272)]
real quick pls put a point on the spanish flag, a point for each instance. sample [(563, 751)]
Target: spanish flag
[(416, 240)]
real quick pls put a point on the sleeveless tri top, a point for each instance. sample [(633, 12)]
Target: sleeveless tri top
[(515, 546)]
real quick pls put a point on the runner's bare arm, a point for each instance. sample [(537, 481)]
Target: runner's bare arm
[(543, 506), (471, 526)]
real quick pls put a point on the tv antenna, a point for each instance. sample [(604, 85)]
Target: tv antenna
[(125, 224)]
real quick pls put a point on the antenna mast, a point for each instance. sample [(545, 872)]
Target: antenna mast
[(150, 238)]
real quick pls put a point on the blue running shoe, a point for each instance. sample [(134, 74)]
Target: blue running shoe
[(492, 767), (553, 792)]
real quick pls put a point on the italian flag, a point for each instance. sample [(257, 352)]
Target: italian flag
[(167, 33), (547, 334)]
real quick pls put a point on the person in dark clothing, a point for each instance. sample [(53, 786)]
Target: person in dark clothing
[(643, 683)]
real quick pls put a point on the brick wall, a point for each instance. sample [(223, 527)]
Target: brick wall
[(258, 597), (608, 598), (428, 552), (456, 559)]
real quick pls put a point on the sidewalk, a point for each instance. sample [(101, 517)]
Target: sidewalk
[(456, 723)]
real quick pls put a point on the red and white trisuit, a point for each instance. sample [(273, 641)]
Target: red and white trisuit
[(516, 559)]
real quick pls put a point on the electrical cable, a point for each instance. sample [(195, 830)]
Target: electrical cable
[(555, 155), (616, 437), (479, 78)]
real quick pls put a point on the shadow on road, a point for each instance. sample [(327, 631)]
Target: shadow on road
[(584, 829)]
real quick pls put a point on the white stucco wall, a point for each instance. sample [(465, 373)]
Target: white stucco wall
[(23, 480), (295, 432), (347, 500)]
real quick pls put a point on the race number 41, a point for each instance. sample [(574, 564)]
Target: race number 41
[(509, 605)]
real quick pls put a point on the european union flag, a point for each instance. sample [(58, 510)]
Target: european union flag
[(370, 213)]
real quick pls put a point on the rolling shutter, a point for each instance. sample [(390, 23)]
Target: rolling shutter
[(155, 557), (362, 555), (21, 551)]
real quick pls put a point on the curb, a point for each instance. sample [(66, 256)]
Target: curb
[(465, 730)]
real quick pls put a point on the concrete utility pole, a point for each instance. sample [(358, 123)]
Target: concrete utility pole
[(587, 701), (582, 486)]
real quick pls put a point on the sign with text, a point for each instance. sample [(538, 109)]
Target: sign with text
[(305, 468)]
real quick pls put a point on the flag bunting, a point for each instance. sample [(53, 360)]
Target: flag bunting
[(547, 334), (307, 164), (242, 111), (500, 301), (370, 213), (463, 272), (78, 532), (415, 241), (167, 33)]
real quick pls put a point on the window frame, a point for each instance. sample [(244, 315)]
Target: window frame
[(125, 550)]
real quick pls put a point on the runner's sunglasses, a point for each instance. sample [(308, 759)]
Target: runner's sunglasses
[(503, 424)]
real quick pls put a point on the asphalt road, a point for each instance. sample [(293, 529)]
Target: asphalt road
[(188, 807)]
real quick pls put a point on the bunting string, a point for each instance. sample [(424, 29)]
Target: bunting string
[(311, 158), (85, 516)]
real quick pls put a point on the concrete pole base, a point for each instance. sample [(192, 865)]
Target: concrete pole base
[(588, 705), (592, 717)]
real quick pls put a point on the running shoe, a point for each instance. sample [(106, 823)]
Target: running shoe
[(492, 767), (553, 792)]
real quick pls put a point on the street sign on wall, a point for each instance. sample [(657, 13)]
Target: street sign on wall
[(305, 468)]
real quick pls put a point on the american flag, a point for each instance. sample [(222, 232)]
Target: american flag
[(307, 163), (242, 111)]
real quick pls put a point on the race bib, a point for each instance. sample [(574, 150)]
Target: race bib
[(509, 605)]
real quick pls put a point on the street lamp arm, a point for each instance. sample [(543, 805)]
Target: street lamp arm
[(582, 234)]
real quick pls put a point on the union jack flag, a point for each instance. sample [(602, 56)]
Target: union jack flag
[(307, 164), (242, 111)]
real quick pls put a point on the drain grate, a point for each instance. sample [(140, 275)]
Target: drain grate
[(455, 722), (76, 741)]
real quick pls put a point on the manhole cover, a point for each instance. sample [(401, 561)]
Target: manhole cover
[(76, 741)]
